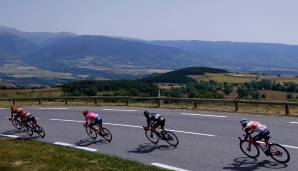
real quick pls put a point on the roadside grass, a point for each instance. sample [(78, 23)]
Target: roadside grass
[(27, 155)]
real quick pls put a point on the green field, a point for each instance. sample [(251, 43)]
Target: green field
[(27, 155)]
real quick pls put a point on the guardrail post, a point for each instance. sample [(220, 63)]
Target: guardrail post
[(95, 100), (195, 104), (13, 101), (66, 102), (39, 101), (158, 102), (236, 106), (287, 109), (126, 101)]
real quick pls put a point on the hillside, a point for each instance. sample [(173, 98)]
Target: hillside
[(33, 57), (181, 75), (98, 52), (66, 56), (252, 57)]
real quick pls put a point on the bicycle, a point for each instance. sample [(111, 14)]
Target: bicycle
[(92, 132), (154, 136), (28, 127), (251, 148)]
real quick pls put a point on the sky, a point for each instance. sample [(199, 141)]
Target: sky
[(274, 21)]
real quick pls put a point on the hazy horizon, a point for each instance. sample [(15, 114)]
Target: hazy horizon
[(268, 21)]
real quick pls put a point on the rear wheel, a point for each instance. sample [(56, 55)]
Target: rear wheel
[(251, 150), (279, 153), (152, 136), (39, 130), (106, 134), (171, 138), (16, 122), (91, 132)]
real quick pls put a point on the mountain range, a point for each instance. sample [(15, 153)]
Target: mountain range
[(64, 56)]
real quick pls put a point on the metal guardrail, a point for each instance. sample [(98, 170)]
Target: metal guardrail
[(158, 100)]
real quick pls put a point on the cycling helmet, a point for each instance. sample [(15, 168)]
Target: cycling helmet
[(85, 112), (243, 122), (146, 114)]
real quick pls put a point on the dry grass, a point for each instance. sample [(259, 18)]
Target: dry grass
[(223, 78), (204, 106), (46, 92)]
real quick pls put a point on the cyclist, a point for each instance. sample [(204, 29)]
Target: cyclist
[(93, 118), (14, 111), (261, 130), (154, 119)]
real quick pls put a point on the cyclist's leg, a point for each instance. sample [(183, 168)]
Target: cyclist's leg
[(148, 124), (162, 123), (33, 120)]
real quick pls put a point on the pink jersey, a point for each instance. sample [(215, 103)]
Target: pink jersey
[(256, 126), (91, 116)]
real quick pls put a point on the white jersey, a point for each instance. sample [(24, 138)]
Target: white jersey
[(256, 126)]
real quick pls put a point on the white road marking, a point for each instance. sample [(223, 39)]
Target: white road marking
[(2, 108), (75, 146), (293, 122), (135, 126), (194, 133), (132, 126), (61, 108), (197, 114), (168, 167), (63, 120), (289, 146), (11, 136), (9, 117), (119, 110)]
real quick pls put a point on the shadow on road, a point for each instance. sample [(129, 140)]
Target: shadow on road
[(149, 147), (11, 132), (23, 137), (89, 141), (248, 164)]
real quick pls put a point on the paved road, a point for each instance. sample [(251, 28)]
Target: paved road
[(208, 141)]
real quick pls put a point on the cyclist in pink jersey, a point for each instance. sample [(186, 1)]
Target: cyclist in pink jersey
[(92, 119)]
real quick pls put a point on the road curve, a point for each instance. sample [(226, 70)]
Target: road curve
[(208, 140)]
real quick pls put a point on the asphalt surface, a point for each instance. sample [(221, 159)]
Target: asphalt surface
[(208, 141)]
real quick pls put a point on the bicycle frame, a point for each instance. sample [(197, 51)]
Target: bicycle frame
[(248, 138)]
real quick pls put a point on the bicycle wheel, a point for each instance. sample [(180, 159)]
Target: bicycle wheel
[(251, 150), (171, 138), (279, 153), (29, 129), (91, 132), (106, 134), (17, 123), (39, 130), (152, 136)]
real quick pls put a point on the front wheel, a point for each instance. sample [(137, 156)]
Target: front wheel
[(39, 130), (91, 132), (279, 153), (106, 134), (249, 149), (152, 136), (171, 138)]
